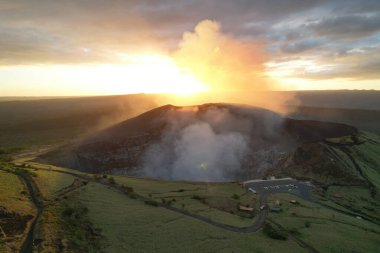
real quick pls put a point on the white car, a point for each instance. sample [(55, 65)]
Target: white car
[(252, 190)]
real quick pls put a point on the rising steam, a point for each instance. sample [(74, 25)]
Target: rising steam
[(205, 148), (231, 68), (212, 147)]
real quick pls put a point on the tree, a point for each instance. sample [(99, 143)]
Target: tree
[(111, 180)]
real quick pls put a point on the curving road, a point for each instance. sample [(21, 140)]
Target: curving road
[(259, 222)]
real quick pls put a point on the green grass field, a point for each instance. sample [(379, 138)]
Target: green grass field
[(50, 183), (98, 218), (14, 195), (131, 226), (324, 229), (216, 201), (16, 212)]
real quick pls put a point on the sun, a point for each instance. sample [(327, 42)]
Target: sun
[(159, 74)]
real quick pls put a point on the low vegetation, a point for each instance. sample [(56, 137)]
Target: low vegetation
[(16, 211), (324, 229), (273, 233)]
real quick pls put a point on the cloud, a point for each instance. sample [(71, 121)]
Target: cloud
[(79, 32), (301, 46), (26, 46), (111, 26), (349, 26), (223, 62), (357, 64)]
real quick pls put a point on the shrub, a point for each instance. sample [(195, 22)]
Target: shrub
[(294, 231), (235, 196), (111, 180), (151, 202), (197, 197), (128, 189), (373, 192), (68, 211), (132, 195), (3, 151), (271, 232), (307, 224)]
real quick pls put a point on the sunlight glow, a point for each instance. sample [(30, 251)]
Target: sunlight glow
[(159, 74), (135, 74)]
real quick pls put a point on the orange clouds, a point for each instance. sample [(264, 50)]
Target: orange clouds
[(222, 62), (233, 69)]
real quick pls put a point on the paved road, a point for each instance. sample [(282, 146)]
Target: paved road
[(250, 229), (263, 188), (300, 189), (291, 186)]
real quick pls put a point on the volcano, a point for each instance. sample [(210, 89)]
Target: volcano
[(211, 142)]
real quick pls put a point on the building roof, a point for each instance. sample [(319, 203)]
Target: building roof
[(275, 208), (244, 208)]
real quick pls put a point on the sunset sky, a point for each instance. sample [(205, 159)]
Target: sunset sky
[(99, 47)]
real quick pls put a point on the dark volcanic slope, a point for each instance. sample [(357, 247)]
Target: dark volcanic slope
[(314, 131), (258, 138)]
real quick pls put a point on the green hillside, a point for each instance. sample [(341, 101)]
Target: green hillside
[(88, 213)]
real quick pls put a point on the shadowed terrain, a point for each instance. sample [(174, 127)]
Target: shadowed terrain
[(259, 139)]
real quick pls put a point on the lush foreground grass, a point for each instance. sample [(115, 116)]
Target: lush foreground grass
[(14, 196), (326, 230), (63, 225), (49, 182), (16, 212), (216, 201), (131, 226), (94, 217)]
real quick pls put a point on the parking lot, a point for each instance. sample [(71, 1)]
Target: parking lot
[(264, 187)]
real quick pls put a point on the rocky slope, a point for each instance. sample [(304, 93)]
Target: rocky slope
[(212, 142)]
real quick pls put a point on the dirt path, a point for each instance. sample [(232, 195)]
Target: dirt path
[(27, 246)]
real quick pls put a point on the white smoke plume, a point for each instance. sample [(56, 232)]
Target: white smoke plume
[(206, 148)]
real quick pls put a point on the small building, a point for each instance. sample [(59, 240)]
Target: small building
[(275, 209), (277, 202), (293, 201), (246, 209), (262, 207)]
